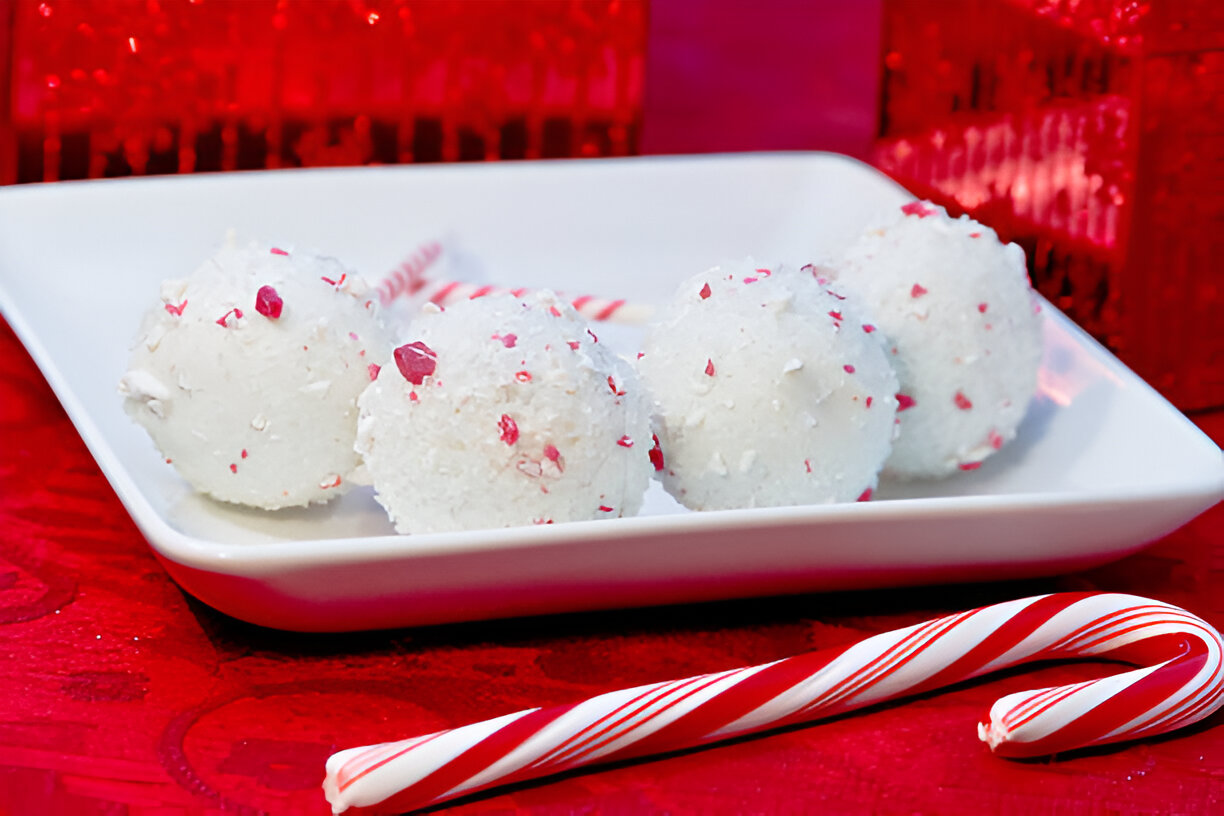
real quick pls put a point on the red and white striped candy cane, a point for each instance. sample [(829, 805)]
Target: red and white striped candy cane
[(409, 279), (1180, 683)]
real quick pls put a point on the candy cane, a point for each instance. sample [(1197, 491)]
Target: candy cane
[(1181, 683), (409, 279)]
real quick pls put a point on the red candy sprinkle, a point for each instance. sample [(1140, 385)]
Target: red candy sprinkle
[(555, 311), (917, 290), (705, 291), (970, 465), (412, 396), (904, 402), (278, 251), (656, 453), (836, 315), (867, 327), (244, 453), (522, 376), (709, 369), (975, 235), (865, 495), (918, 208), (605, 508), (849, 369), (507, 340), (336, 283), (177, 311), (612, 385), (962, 402), (834, 294), (236, 312), (508, 428), (416, 361), (869, 399), (625, 442), (751, 280), (331, 484), (982, 308), (995, 440), (573, 344), (373, 369), (268, 303), (551, 453), (233, 468), (807, 463), (593, 337)]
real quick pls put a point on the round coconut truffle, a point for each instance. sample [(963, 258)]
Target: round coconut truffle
[(769, 389), (505, 412), (963, 334), (247, 374)]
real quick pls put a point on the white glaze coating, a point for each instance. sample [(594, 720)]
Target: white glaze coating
[(256, 409), (525, 419), (955, 306), (767, 391)]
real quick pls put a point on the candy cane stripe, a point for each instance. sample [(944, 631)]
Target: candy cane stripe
[(1180, 680)]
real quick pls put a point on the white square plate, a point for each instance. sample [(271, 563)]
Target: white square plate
[(1102, 465)]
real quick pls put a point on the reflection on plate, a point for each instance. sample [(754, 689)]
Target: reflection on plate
[(1102, 464)]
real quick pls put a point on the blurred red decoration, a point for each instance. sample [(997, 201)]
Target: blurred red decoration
[(1092, 134), (131, 87)]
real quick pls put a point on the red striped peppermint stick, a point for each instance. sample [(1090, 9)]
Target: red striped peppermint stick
[(1181, 682), (410, 279)]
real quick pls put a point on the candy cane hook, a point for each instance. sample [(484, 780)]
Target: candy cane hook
[(1180, 682)]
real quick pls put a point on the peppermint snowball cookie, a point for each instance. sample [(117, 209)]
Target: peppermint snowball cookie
[(769, 389), (247, 373), (963, 332), (505, 412)]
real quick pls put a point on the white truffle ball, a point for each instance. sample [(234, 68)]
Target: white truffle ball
[(247, 373), (768, 390), (955, 306), (505, 412)]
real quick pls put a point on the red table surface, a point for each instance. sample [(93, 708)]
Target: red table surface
[(119, 694)]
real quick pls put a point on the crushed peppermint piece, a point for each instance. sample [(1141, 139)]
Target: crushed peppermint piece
[(542, 521), (223, 320), (994, 439), (865, 495), (904, 402), (705, 291), (836, 315), (416, 361), (233, 468), (849, 369), (554, 311), (917, 290), (594, 339), (551, 453), (335, 283), (918, 208), (969, 465), (807, 463), (605, 508), (372, 369), (412, 396), (962, 402), (867, 327), (975, 235), (573, 344), (259, 422), (751, 280), (625, 441), (868, 402), (522, 376), (244, 453), (278, 251), (177, 311), (508, 340), (656, 453), (508, 429), (612, 384), (268, 303), (709, 369), (330, 481), (982, 308), (764, 272)]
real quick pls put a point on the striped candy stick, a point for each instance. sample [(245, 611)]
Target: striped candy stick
[(410, 279), (1180, 683)]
